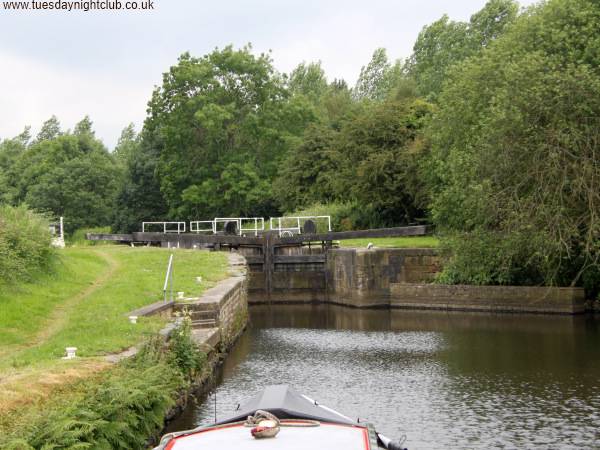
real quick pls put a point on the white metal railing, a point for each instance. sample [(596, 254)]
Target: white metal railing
[(243, 224), (168, 279), (259, 225), (290, 225), (224, 221), (196, 224), (285, 225), (168, 227)]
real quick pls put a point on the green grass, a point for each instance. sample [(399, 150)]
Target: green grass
[(93, 318), (398, 242), (26, 306)]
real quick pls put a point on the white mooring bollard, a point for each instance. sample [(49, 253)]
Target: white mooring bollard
[(180, 295), (133, 319), (70, 352), (198, 279)]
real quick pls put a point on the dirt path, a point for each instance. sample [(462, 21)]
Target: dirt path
[(58, 318), (19, 387)]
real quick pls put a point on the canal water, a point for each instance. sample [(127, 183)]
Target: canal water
[(445, 380)]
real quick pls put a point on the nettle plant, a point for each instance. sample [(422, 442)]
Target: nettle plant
[(184, 353)]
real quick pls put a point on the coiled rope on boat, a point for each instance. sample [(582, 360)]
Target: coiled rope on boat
[(259, 415)]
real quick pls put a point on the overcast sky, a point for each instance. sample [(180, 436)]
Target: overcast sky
[(106, 63)]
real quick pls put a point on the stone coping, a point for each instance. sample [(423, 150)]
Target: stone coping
[(152, 309)]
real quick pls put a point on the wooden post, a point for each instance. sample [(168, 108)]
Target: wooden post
[(268, 265)]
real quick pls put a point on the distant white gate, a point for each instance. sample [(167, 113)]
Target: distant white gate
[(290, 225), (167, 227)]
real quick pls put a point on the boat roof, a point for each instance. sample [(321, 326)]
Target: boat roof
[(333, 432), (237, 436), (286, 403)]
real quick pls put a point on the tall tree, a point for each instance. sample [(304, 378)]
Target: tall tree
[(69, 174), (81, 189), (139, 198), (84, 127), (377, 78), (308, 175), (373, 159), (338, 102), (50, 130), (127, 143), (308, 80), (381, 149), (25, 137), (213, 114), (10, 152), (516, 156), (492, 21), (445, 43)]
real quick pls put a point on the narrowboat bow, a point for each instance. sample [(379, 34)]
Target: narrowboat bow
[(280, 418)]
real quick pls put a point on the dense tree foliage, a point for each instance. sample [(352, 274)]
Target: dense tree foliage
[(516, 161), (67, 174), (139, 198), (371, 161), (224, 122), (50, 130)]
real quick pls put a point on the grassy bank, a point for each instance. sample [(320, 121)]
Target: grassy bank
[(120, 407), (398, 242), (84, 304)]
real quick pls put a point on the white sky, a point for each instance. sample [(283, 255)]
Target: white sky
[(106, 63)]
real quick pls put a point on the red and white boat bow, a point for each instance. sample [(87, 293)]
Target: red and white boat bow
[(283, 419)]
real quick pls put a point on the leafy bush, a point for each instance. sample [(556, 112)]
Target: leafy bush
[(184, 353), (485, 258), (24, 244), (372, 159)]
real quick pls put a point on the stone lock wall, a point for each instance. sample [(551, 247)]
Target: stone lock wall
[(362, 278), (401, 278), (531, 299), (233, 310), (222, 308), (357, 277)]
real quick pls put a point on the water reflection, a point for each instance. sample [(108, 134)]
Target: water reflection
[(446, 380)]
